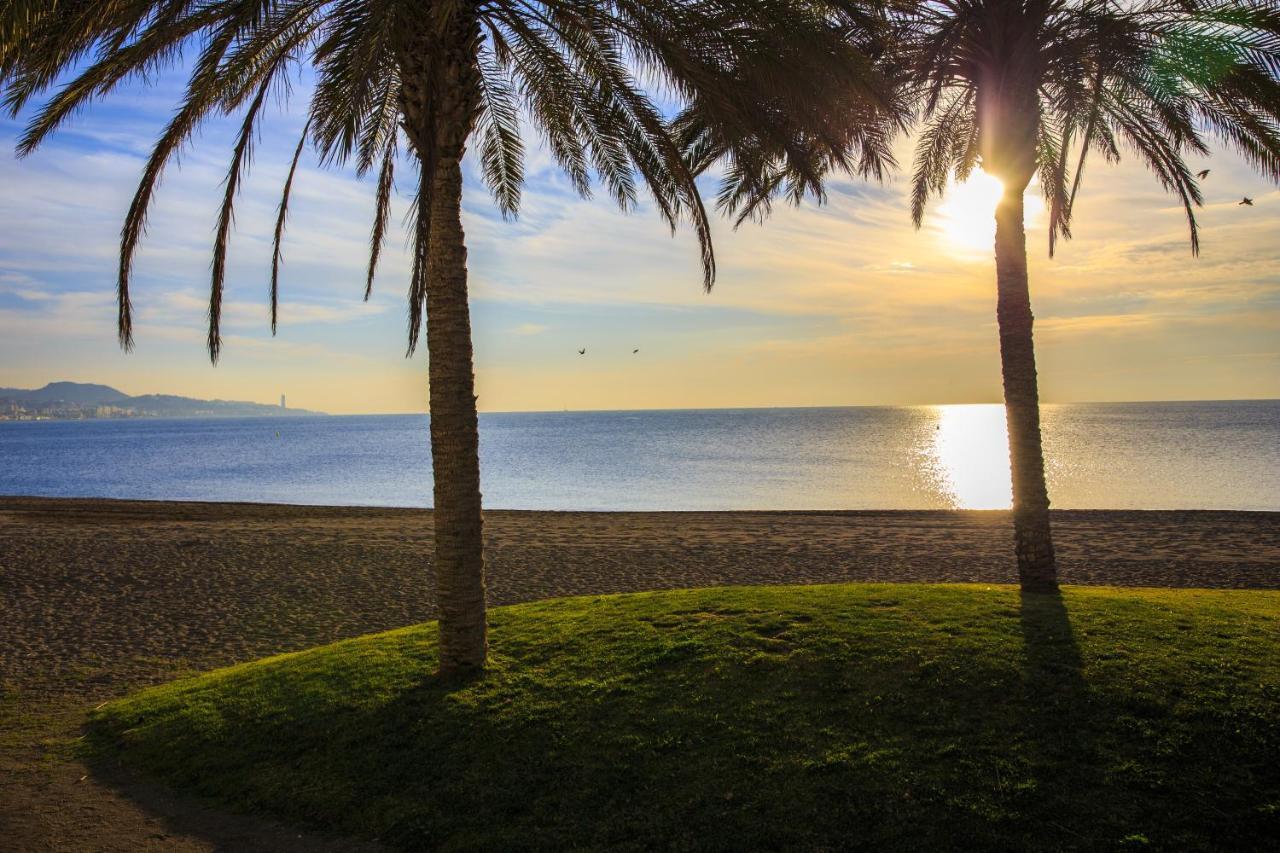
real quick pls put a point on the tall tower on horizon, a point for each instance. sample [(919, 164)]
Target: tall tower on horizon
[(282, 401)]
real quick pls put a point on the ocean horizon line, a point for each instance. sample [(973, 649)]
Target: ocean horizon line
[(314, 413), (824, 407)]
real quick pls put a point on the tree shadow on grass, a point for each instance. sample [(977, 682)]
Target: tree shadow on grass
[(1053, 672), (1058, 716), (897, 719), (176, 819)]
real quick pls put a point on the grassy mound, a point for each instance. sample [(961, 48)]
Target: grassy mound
[(888, 716)]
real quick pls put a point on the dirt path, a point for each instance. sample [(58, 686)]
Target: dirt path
[(100, 597)]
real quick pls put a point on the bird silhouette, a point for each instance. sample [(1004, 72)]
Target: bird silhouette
[(582, 351), (1202, 175), (1246, 200), (634, 351)]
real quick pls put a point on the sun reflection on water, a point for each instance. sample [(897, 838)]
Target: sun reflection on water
[(971, 456)]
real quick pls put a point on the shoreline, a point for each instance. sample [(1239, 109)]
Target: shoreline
[(14, 502)]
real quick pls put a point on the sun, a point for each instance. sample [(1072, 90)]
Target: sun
[(968, 209)]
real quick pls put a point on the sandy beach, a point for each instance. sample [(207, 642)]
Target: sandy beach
[(99, 597), (114, 592)]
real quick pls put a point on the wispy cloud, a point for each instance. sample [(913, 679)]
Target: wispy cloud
[(844, 303)]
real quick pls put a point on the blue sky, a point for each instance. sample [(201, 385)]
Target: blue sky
[(840, 305)]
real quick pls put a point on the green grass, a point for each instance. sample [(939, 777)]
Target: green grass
[(904, 717)]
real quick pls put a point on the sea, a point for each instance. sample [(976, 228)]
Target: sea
[(1178, 455)]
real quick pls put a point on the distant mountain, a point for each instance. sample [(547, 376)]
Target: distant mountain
[(86, 400), (66, 392)]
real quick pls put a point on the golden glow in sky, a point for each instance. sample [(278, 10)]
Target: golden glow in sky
[(840, 304), (967, 211)]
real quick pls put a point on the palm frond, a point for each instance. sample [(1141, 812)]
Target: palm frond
[(1144, 135), (382, 211), (282, 213), (240, 158), (421, 245), (498, 126), (203, 92), (944, 146)]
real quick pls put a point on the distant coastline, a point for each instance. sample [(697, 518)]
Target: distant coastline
[(77, 401)]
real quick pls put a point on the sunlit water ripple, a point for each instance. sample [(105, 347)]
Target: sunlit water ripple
[(1128, 455)]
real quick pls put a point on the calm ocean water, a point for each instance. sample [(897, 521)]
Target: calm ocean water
[(1127, 455)]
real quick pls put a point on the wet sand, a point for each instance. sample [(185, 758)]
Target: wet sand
[(99, 597)]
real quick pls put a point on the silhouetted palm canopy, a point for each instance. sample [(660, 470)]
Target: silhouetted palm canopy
[(797, 120), (573, 68), (1035, 86)]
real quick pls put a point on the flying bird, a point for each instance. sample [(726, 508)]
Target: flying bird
[(1246, 200), (634, 351), (582, 351), (1202, 175)]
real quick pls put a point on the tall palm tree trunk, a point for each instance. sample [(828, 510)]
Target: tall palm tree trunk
[(1032, 540), (455, 447), (440, 95)]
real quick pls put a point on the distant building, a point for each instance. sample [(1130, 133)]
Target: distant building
[(282, 401)]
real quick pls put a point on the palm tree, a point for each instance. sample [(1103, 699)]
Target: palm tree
[(448, 73), (1030, 88)]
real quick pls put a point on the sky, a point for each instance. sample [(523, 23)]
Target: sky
[(843, 304)]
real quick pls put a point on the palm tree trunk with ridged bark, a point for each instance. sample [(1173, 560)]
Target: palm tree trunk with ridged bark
[(1032, 540), (440, 96)]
